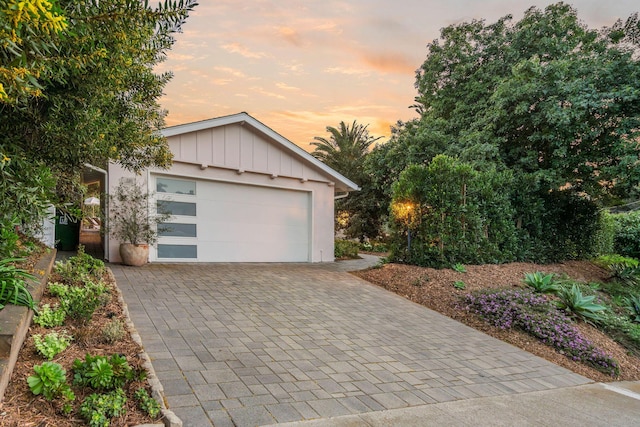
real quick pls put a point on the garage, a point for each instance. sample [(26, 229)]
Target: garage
[(237, 191), (229, 222)]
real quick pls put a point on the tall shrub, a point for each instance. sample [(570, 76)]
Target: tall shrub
[(447, 212), (627, 234)]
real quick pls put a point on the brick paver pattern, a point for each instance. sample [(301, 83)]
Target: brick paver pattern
[(254, 344)]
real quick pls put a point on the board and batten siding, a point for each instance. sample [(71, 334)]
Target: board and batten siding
[(235, 146)]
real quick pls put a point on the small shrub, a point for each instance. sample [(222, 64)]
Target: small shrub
[(346, 249), (58, 289), (582, 306), (50, 317), (459, 284), (98, 409), (541, 283), (147, 403), (80, 302), (80, 268), (460, 268), (52, 343), (113, 331), (50, 380), (101, 372)]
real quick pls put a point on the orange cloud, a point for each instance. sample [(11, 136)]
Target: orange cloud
[(389, 62), (242, 50), (290, 35)]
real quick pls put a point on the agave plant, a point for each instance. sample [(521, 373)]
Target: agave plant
[(633, 303), (541, 283), (582, 306)]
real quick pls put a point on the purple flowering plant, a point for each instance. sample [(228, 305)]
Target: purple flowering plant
[(535, 314)]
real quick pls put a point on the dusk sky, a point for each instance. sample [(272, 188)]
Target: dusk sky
[(299, 66)]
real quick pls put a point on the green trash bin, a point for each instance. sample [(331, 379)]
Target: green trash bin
[(67, 231)]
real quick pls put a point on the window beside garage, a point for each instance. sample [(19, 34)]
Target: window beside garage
[(177, 251), (176, 208), (175, 186), (178, 236), (176, 229)]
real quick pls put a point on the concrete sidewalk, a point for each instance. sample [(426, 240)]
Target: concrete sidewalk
[(587, 405), (259, 344)]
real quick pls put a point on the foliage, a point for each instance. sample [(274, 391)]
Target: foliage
[(541, 283), (102, 372), (633, 303), (623, 330), (624, 270), (49, 317), (12, 285), (27, 29), (81, 88), (147, 403), (50, 380), (459, 267), (373, 246), (446, 213), (604, 237), (459, 284), (627, 234), (130, 220), (345, 151), (52, 343), (80, 302), (607, 260), (345, 249), (58, 289), (551, 102), (576, 304), (534, 314), (113, 331), (98, 409), (79, 268)]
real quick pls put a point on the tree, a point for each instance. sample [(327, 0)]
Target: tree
[(91, 95), (547, 98), (27, 32), (345, 151), (100, 92)]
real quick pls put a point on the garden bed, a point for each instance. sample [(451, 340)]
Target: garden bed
[(21, 407), (435, 289)]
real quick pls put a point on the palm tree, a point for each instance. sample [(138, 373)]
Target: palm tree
[(345, 149)]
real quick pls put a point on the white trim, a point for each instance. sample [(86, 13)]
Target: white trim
[(245, 119)]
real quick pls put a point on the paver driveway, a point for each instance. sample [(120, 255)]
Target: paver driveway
[(253, 344)]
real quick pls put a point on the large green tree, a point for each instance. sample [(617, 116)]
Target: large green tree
[(547, 98), (345, 151), (90, 94)]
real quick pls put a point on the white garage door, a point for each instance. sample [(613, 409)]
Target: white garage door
[(226, 222)]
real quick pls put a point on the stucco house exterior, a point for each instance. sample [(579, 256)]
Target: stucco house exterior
[(239, 192)]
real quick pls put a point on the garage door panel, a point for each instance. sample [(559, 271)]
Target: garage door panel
[(244, 223)]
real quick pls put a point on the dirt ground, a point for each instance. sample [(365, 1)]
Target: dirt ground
[(434, 289)]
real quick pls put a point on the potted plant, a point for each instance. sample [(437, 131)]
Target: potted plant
[(132, 222)]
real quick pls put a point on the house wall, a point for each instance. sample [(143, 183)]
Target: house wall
[(272, 170)]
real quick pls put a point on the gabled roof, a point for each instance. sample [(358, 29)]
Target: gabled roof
[(245, 119)]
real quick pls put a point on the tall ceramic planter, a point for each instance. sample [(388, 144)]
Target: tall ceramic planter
[(135, 255)]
